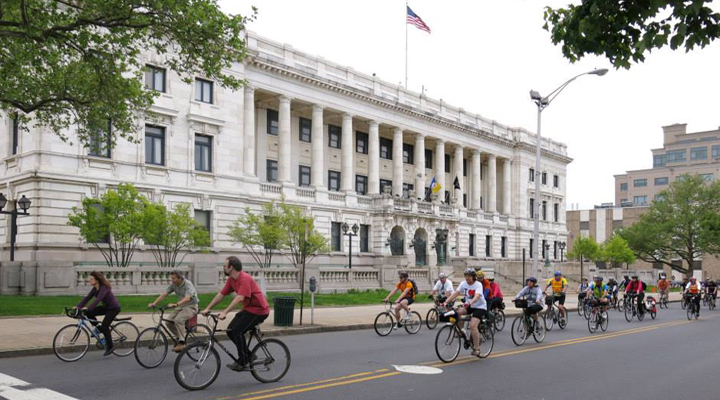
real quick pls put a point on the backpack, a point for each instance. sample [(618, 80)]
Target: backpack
[(644, 286), (415, 287)]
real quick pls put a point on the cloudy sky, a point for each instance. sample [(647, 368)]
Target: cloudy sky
[(485, 57)]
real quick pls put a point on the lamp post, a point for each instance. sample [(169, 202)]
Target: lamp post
[(562, 245), (345, 229), (547, 255), (24, 204), (542, 103)]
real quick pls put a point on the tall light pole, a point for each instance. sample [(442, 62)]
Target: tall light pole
[(345, 229), (24, 204), (542, 103)]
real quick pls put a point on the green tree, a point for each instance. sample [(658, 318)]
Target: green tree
[(624, 31), (77, 64), (584, 248), (261, 234), (171, 234), (112, 223), (302, 241), (616, 252), (679, 225)]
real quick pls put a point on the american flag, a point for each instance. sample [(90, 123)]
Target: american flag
[(414, 19)]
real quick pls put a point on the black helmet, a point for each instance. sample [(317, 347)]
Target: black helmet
[(403, 274), (625, 276), (531, 279), (635, 277), (470, 272)]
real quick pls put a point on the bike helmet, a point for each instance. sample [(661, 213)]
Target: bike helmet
[(531, 279), (625, 276), (693, 279), (470, 272), (403, 274), (584, 279), (635, 277), (442, 275), (480, 275), (558, 273), (598, 278)]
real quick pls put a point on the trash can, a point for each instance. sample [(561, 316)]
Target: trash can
[(284, 311)]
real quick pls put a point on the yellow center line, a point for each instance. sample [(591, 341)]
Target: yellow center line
[(326, 386)]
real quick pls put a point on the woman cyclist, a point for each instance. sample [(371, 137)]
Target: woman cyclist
[(110, 307), (534, 297), (475, 305)]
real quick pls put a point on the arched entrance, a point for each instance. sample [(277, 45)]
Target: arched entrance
[(397, 241), (420, 246)]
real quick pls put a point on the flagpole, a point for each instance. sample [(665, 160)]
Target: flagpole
[(406, 43)]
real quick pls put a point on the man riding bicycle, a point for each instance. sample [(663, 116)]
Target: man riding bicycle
[(636, 286), (407, 297), (534, 297), (495, 298), (443, 288), (559, 286), (712, 289), (663, 286), (475, 305), (600, 292), (184, 310), (582, 290), (692, 291)]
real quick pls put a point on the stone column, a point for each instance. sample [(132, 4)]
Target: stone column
[(318, 148), (347, 177), (492, 185), (440, 167), (249, 132), (285, 141), (374, 158), (507, 187), (476, 191), (420, 166), (397, 162), (458, 161)]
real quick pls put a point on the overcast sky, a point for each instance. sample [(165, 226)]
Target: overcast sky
[(486, 56)]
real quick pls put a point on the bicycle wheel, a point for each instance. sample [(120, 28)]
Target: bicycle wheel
[(605, 321), (592, 322), (384, 324), (413, 325), (151, 347), (499, 320), (629, 313), (518, 331), (586, 310), (539, 333), (549, 318), (447, 343), (683, 304), (580, 308), (487, 337), (641, 314), (271, 360), (653, 314), (431, 319), (563, 320), (125, 335), (197, 374), (71, 342)]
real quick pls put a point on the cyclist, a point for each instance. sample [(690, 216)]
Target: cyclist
[(475, 305), (443, 288), (600, 292), (495, 298), (582, 291), (712, 289), (663, 286), (559, 286), (692, 290), (613, 290), (484, 281), (110, 308), (534, 297), (636, 286), (407, 297), (625, 282), (255, 308), (185, 309)]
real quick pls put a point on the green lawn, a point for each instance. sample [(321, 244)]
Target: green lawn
[(53, 305)]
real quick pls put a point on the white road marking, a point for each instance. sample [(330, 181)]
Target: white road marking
[(15, 389), (7, 380), (418, 369)]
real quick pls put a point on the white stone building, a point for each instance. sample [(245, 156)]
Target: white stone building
[(322, 135)]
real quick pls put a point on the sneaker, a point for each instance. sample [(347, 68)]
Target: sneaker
[(475, 353), (179, 347), (108, 351), (238, 367)]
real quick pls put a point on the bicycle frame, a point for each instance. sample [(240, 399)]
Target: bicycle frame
[(213, 340), (86, 323), (161, 326)]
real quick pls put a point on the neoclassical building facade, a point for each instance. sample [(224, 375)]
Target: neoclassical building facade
[(345, 146)]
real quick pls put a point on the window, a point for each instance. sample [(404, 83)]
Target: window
[(659, 197), (203, 90), (101, 142), (408, 153), (640, 200), (707, 177), (556, 181), (428, 194), (155, 78), (407, 188), (386, 148), (361, 142), (304, 177), (100, 209), (532, 208), (203, 153), (204, 218), (488, 246), (305, 130), (532, 242), (154, 145), (385, 183), (503, 247), (273, 126), (335, 237), (715, 152), (428, 159), (622, 201), (334, 133), (555, 249), (623, 187), (698, 153), (361, 182), (544, 253), (544, 178), (659, 160), (447, 197), (447, 163), (676, 156), (464, 199), (532, 174), (334, 181), (661, 181), (471, 250), (271, 171), (584, 225), (544, 210), (556, 212), (464, 166), (640, 183), (15, 134), (364, 238)]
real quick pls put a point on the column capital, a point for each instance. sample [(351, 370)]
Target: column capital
[(492, 156), (284, 98), (420, 135), (317, 108), (347, 115), (374, 124), (438, 140), (476, 152), (398, 130), (249, 88)]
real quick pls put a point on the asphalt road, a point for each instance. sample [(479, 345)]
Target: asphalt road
[(668, 358)]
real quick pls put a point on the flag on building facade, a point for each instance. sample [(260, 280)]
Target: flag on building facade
[(414, 19), (435, 186), (456, 183)]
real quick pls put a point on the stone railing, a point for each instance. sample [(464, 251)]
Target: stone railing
[(272, 188), (425, 207), (402, 204), (365, 201), (136, 278), (503, 219), (446, 210), (488, 217), (472, 214), (306, 193), (336, 197)]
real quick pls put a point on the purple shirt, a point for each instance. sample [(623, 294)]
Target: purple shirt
[(105, 295)]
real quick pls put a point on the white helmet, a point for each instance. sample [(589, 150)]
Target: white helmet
[(442, 275)]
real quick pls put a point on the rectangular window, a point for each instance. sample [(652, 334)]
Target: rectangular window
[(385, 183), (447, 197), (532, 247), (361, 142), (464, 166), (544, 178), (271, 170), (544, 210), (556, 181), (334, 181), (334, 133), (544, 250), (386, 148), (488, 246), (661, 181), (101, 142), (304, 178), (623, 187), (408, 153), (204, 218), (464, 199), (658, 197), (428, 159), (305, 130), (623, 201), (428, 194), (406, 190), (659, 160), (503, 247), (203, 153), (676, 156), (698, 153), (155, 78), (555, 249), (364, 238), (447, 163), (335, 240), (707, 177), (556, 212), (15, 134), (640, 183), (203, 90), (640, 200), (154, 145), (532, 208), (471, 249), (531, 174), (273, 126), (715, 153), (361, 182)]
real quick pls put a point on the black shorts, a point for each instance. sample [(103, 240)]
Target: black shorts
[(477, 312), (409, 300), (533, 309), (559, 298)]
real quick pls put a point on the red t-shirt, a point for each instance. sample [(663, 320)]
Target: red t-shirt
[(245, 286)]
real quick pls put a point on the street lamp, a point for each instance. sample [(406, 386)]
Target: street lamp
[(547, 255), (345, 229), (24, 204), (542, 103), (562, 245)]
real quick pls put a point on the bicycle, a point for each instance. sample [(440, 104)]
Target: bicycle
[(385, 321), (684, 302), (664, 301), (553, 316), (151, 346), (692, 308), (581, 303), (711, 301), (524, 325), (72, 341), (598, 318), (497, 316), (704, 297), (631, 309), (433, 315), (451, 338), (198, 365)]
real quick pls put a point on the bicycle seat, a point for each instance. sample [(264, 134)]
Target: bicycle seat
[(123, 319)]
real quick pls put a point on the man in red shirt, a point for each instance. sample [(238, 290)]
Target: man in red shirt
[(255, 308), (636, 287)]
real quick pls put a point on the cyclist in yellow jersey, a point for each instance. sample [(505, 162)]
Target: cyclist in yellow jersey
[(559, 286)]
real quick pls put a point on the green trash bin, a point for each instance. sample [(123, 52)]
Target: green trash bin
[(284, 311)]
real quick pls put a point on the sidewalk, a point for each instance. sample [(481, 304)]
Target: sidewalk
[(34, 335)]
